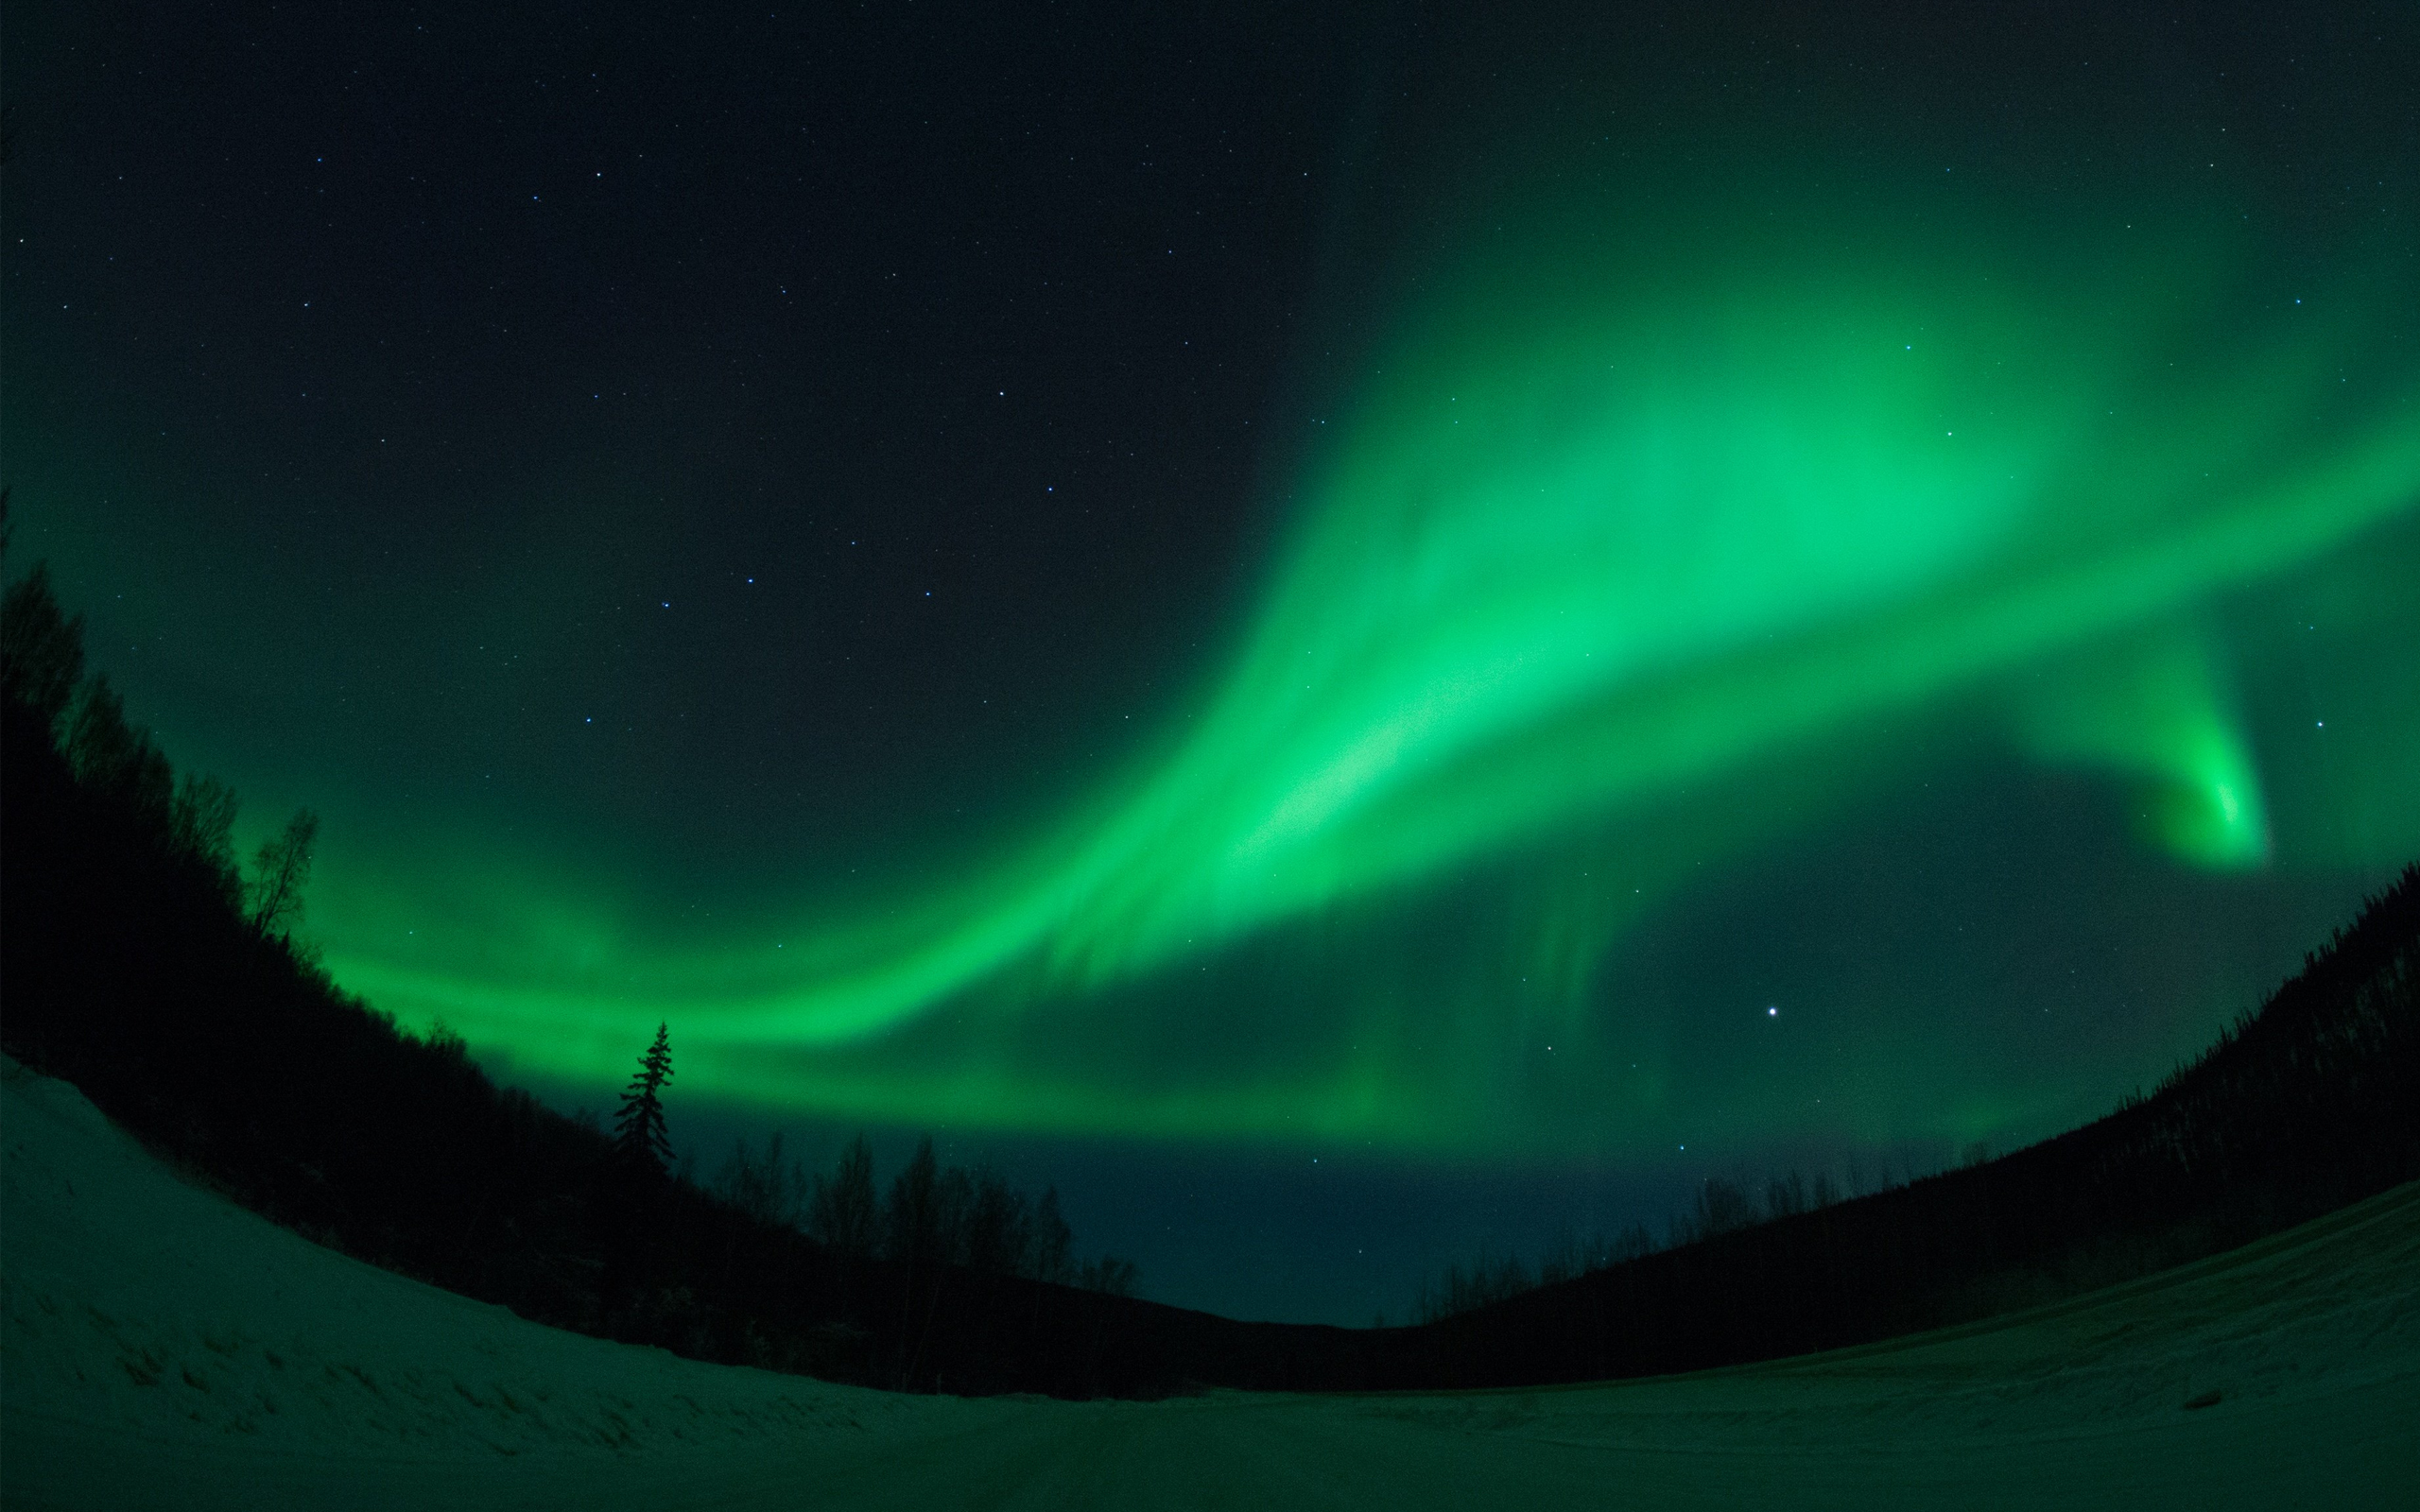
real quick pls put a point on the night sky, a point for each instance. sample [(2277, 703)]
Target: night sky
[(1350, 631)]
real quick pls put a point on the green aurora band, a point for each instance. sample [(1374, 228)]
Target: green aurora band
[(1619, 553)]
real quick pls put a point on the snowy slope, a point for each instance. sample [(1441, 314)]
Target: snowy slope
[(159, 1346)]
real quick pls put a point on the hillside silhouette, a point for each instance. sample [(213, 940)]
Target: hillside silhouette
[(138, 963)]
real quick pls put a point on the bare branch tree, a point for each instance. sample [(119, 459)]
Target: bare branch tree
[(279, 868)]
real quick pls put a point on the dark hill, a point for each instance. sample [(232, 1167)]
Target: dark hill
[(126, 969)]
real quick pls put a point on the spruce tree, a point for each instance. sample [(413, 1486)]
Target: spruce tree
[(639, 1132)]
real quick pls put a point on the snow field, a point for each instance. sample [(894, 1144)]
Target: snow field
[(161, 1347)]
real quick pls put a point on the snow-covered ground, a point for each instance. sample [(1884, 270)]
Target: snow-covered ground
[(163, 1348)]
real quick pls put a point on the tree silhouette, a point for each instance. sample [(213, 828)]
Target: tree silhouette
[(1107, 1274), (639, 1133), (1051, 1258), (842, 1213), (1723, 1206), (109, 756), (281, 867), (912, 1220), (761, 1185), (1000, 1225), (201, 822), (41, 650)]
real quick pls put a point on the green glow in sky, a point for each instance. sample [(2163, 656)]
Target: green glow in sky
[(1640, 540)]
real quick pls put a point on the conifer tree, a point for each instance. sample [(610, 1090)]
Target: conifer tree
[(639, 1131)]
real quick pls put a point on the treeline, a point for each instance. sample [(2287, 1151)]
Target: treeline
[(1720, 1205), (139, 963), (956, 1214), (2309, 1104), (191, 819), (1489, 1278)]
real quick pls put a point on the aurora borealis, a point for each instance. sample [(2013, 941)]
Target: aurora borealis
[(1764, 589), (1581, 551)]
